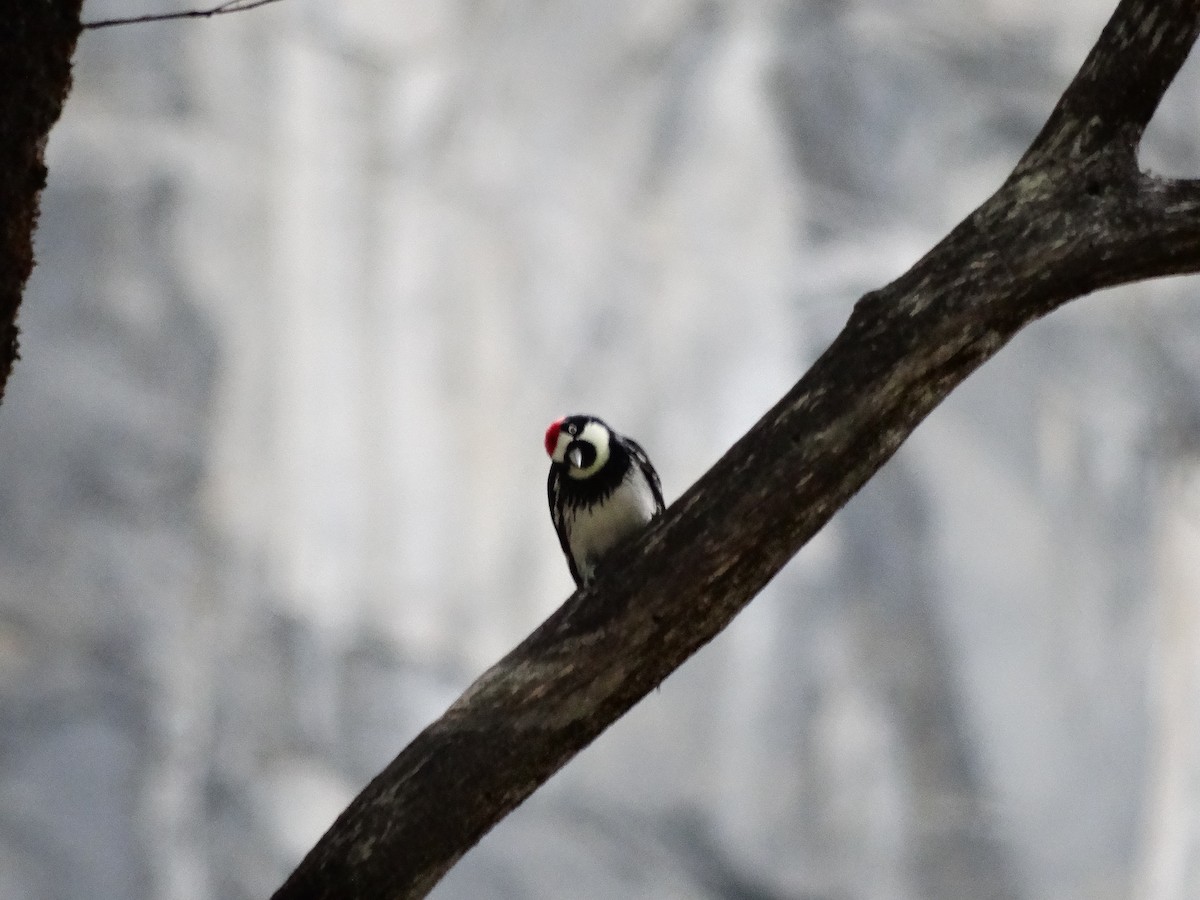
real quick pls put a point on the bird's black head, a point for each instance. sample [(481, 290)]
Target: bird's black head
[(580, 444)]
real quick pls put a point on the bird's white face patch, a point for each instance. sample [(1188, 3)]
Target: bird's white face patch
[(597, 435), (560, 448), (593, 433)]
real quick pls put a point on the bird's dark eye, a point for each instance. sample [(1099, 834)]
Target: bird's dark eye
[(571, 429)]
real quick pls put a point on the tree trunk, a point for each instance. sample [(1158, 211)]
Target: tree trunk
[(37, 40)]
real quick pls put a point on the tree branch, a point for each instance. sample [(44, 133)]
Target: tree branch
[(37, 41), (1075, 216), (1115, 93), (230, 6)]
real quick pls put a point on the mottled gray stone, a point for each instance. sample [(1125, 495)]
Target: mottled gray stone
[(312, 280)]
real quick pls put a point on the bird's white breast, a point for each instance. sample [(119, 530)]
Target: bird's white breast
[(596, 529)]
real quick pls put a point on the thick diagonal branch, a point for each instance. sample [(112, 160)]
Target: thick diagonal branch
[(1076, 215)]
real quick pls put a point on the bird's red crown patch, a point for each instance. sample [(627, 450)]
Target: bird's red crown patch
[(552, 436)]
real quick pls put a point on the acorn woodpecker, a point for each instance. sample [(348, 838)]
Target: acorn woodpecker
[(602, 490)]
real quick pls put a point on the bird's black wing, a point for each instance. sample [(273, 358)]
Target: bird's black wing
[(554, 493), (643, 462)]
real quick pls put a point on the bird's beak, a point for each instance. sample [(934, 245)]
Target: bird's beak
[(575, 457)]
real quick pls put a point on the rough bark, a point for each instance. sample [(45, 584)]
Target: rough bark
[(37, 40), (1076, 215)]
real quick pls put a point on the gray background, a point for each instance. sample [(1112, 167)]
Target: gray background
[(312, 281)]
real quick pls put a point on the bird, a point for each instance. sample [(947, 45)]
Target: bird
[(602, 490)]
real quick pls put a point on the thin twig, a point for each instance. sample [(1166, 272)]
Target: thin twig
[(229, 6)]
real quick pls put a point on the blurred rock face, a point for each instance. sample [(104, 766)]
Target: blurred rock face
[(314, 278)]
